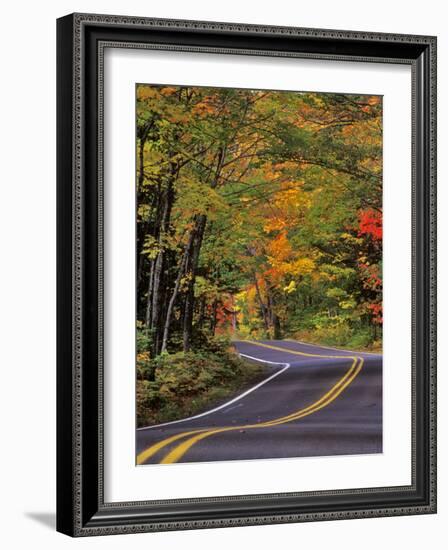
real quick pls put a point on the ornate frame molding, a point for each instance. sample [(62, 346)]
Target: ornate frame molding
[(82, 510)]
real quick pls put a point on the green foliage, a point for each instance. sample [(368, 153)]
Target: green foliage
[(185, 383), (339, 331)]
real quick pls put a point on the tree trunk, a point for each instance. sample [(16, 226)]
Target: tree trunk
[(143, 228), (263, 307), (141, 163), (156, 322), (192, 267), (175, 292), (213, 317), (277, 327), (149, 297), (274, 321)]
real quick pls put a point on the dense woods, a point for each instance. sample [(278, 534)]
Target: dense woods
[(259, 215)]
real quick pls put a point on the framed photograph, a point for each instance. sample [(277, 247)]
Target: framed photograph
[(246, 274)]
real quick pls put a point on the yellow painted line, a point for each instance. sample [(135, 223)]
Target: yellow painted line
[(303, 353), (178, 452), (150, 451), (329, 347)]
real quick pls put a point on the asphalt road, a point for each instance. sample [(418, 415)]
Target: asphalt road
[(314, 401)]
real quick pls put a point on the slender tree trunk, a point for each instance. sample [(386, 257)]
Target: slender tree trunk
[(234, 321), (155, 307), (274, 321), (175, 292), (149, 297), (139, 271), (143, 228), (277, 327), (263, 307), (192, 267), (141, 163), (156, 321), (213, 317)]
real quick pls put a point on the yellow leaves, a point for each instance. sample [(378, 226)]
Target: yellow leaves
[(290, 288), (350, 239), (151, 247), (143, 212), (285, 262), (371, 164), (275, 224), (251, 294), (347, 304), (290, 203), (143, 356), (292, 198), (302, 266), (297, 268), (269, 172), (246, 300), (147, 92)]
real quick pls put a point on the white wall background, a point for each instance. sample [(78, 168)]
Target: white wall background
[(27, 273)]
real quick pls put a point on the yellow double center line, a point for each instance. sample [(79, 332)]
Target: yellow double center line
[(197, 435)]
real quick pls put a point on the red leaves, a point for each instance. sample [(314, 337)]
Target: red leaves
[(371, 223), (376, 310)]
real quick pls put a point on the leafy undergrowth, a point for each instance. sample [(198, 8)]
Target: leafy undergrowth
[(174, 386), (341, 338)]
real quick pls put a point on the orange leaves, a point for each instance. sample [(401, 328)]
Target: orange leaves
[(204, 108), (279, 248), (285, 262), (374, 100), (178, 117), (348, 130), (169, 90)]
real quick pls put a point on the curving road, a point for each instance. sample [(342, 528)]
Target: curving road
[(314, 401)]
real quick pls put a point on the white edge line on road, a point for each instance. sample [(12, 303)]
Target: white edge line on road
[(237, 398)]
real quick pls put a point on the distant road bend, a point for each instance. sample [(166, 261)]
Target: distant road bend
[(314, 401)]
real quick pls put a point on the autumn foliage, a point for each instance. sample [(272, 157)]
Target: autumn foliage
[(259, 215)]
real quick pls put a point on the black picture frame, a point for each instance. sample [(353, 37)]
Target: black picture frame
[(81, 510)]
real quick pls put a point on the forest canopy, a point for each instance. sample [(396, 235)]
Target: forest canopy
[(259, 216)]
